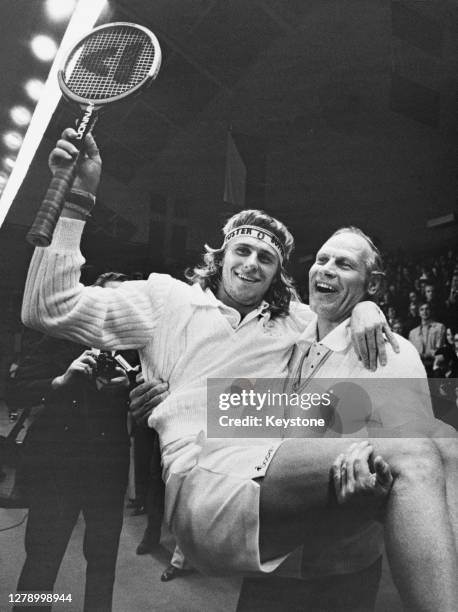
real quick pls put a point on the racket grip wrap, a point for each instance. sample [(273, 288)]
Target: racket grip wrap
[(40, 234)]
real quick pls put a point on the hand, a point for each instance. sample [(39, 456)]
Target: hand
[(145, 397), (116, 383), (368, 326), (352, 477), (89, 163), (81, 367)]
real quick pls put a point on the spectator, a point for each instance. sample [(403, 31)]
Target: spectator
[(398, 327), (427, 337), (391, 315), (434, 304), (412, 320)]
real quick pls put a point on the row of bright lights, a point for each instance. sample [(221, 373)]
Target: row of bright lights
[(44, 48)]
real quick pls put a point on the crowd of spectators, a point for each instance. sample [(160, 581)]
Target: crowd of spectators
[(420, 302)]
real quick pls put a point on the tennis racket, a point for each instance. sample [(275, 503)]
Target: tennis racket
[(111, 63)]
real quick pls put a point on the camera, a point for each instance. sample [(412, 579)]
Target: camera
[(105, 366)]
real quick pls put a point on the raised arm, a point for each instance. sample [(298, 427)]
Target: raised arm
[(55, 301)]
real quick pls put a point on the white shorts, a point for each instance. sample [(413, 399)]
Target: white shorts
[(213, 508)]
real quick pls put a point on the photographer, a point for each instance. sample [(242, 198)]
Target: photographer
[(77, 459)]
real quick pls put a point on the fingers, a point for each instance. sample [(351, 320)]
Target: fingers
[(380, 345), (357, 465), (142, 411), (140, 390), (383, 473), (145, 397), (348, 476), (356, 347), (336, 472), (90, 147), (391, 338), (372, 349), (87, 357), (360, 339), (359, 458), (156, 395), (350, 472), (118, 382), (66, 151), (63, 153)]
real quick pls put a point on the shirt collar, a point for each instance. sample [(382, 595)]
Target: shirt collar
[(337, 340), (207, 298)]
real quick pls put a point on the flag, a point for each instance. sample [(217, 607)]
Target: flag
[(235, 178)]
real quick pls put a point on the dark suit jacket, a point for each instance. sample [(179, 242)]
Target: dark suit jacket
[(73, 417)]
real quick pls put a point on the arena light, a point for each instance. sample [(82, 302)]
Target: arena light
[(43, 47), (8, 163), (33, 88), (58, 10), (12, 140), (83, 19), (20, 115)]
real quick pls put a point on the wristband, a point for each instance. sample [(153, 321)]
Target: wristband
[(80, 201)]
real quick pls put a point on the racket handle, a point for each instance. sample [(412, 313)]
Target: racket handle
[(40, 234)]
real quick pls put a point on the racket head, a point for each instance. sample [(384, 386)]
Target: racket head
[(110, 63)]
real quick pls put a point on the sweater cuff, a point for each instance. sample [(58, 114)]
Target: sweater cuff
[(67, 235)]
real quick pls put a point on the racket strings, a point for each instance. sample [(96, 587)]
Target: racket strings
[(109, 63)]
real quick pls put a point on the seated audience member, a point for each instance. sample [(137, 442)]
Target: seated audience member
[(391, 315), (451, 303), (412, 320), (397, 327), (427, 337), (435, 304)]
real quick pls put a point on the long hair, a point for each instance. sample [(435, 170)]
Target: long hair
[(209, 272)]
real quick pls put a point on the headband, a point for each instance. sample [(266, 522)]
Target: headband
[(253, 231)]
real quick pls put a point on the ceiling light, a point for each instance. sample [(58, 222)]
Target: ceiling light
[(33, 88), (60, 9), (20, 115), (8, 163), (12, 140), (43, 47), (3, 179)]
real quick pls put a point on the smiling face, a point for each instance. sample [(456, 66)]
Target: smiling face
[(339, 278), (425, 313), (249, 268)]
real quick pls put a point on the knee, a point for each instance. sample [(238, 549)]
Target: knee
[(419, 461), (448, 450)]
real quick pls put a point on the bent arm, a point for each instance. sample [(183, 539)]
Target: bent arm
[(56, 302)]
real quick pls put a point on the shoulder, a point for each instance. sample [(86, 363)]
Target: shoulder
[(164, 286), (177, 294), (301, 314), (406, 363)]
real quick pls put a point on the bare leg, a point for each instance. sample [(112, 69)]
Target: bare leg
[(295, 502), (448, 449)]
